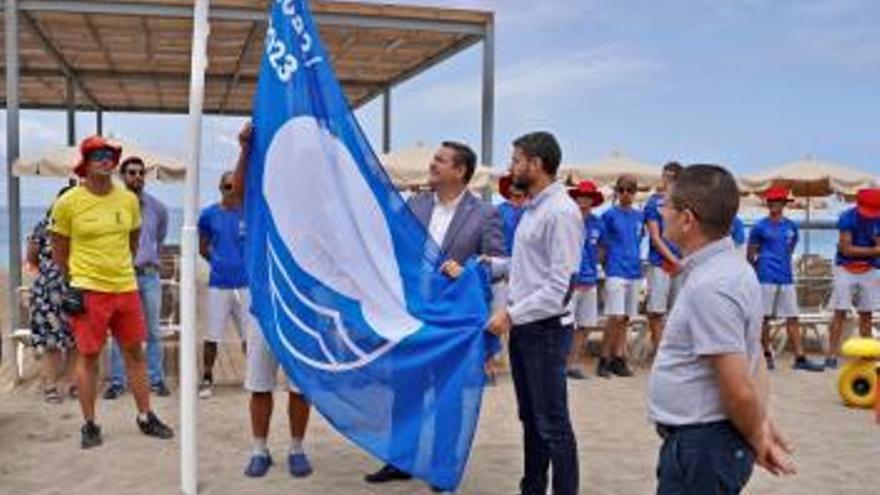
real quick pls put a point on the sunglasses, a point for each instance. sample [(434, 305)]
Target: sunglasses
[(628, 190), (101, 155), (136, 173), (225, 187)]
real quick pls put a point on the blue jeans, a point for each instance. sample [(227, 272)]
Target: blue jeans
[(150, 289), (538, 353), (699, 459)]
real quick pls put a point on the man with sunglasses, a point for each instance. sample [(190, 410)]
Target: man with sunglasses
[(95, 236), (154, 227), (624, 228), (772, 242), (663, 257), (221, 243)]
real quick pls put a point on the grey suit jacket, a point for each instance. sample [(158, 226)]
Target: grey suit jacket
[(476, 227)]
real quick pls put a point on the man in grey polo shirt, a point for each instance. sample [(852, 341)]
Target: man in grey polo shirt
[(708, 387), (547, 257), (154, 228)]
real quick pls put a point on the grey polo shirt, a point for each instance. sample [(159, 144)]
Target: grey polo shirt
[(717, 311), (546, 256)]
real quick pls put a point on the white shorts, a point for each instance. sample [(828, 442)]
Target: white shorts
[(586, 307), (863, 288), (662, 289), (621, 297), (262, 366), (780, 300), (223, 305)]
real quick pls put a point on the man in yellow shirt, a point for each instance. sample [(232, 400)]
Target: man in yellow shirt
[(95, 232)]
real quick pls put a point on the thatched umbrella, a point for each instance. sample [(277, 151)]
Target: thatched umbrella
[(408, 168), (605, 172)]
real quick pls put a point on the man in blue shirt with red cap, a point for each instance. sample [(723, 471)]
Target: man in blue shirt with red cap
[(585, 302), (771, 244), (857, 270)]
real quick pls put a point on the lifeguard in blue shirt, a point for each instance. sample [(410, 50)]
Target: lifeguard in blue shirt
[(585, 302), (857, 270), (663, 257), (511, 210), (623, 230), (772, 242)]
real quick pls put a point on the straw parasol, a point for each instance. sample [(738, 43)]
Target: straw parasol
[(59, 162), (408, 168), (811, 178), (606, 171)]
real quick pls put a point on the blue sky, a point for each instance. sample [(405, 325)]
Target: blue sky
[(748, 83)]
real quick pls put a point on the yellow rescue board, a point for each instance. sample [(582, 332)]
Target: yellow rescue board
[(861, 348)]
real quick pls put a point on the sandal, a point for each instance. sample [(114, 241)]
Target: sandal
[(52, 396)]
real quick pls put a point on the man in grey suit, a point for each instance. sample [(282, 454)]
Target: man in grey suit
[(461, 224)]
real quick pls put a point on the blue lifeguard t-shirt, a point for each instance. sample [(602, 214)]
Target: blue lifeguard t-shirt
[(588, 275), (776, 242), (622, 238), (738, 232), (864, 232), (652, 213), (225, 231), (510, 216)]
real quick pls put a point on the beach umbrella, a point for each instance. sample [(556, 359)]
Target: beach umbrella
[(60, 161), (810, 178), (605, 172), (408, 168)]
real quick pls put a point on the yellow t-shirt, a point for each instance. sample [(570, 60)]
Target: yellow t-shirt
[(99, 228)]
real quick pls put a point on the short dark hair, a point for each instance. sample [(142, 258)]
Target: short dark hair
[(224, 175), (626, 180), (123, 167), (541, 145), (711, 193), (464, 155), (673, 167)]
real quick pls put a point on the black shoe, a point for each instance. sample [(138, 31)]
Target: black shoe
[(618, 367), (386, 474), (90, 435), (802, 363), (113, 391), (152, 427), (602, 369), (160, 389), (771, 361)]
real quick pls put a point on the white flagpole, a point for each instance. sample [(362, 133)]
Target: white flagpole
[(189, 241)]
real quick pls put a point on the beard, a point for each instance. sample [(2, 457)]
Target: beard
[(521, 182)]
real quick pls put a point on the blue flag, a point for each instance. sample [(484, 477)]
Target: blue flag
[(344, 279)]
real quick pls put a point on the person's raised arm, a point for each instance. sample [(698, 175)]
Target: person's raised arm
[(244, 143)]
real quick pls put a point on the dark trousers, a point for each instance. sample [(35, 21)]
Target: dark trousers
[(538, 354), (703, 460)]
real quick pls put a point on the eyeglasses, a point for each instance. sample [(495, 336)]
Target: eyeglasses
[(101, 155), (626, 190), (136, 173)]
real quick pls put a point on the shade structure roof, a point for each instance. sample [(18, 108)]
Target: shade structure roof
[(809, 177), (130, 55)]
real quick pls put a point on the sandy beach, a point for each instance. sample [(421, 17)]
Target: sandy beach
[(39, 452)]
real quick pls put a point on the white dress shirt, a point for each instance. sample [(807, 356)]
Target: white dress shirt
[(441, 217)]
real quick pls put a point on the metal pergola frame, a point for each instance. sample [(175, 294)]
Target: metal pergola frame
[(22, 11)]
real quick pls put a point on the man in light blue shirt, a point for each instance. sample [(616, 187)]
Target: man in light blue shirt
[(708, 389), (154, 228), (545, 262)]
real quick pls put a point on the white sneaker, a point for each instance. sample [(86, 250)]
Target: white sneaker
[(206, 389)]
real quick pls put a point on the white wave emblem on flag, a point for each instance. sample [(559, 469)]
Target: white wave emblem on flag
[(329, 220)]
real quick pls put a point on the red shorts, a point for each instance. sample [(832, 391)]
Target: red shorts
[(120, 313)]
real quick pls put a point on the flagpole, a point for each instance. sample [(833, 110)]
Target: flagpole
[(189, 241)]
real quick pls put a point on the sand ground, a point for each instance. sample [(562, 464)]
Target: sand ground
[(838, 448)]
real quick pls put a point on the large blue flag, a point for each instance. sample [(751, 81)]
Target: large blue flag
[(344, 278)]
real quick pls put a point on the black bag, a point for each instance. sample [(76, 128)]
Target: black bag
[(74, 301)]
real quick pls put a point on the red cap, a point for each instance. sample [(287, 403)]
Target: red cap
[(588, 188), (94, 143), (504, 184), (868, 202), (777, 193)]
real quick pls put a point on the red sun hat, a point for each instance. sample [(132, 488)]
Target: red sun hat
[(777, 194), (588, 188), (94, 143), (868, 202)]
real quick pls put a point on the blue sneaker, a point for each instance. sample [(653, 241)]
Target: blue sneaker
[(804, 364), (298, 465), (258, 465), (831, 362)]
